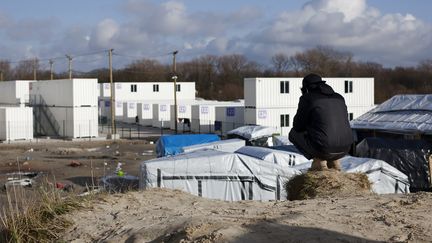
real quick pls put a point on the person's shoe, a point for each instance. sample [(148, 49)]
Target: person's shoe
[(318, 165), (335, 164)]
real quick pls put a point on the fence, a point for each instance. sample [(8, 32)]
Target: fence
[(185, 126)]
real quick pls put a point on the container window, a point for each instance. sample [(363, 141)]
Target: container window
[(178, 88), (348, 86), (155, 87), (350, 116), (284, 120), (284, 87), (133, 88)]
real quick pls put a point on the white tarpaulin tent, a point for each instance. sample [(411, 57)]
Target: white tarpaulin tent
[(384, 177), (253, 132), (279, 157), (218, 175), (229, 145), (401, 113)]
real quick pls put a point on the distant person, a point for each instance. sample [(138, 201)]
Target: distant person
[(321, 130)]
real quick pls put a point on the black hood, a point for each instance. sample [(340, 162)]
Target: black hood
[(323, 89)]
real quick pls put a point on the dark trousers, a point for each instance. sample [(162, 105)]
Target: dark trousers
[(303, 143)]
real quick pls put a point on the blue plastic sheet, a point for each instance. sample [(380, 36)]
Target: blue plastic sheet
[(173, 144)]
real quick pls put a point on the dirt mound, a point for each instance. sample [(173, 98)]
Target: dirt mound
[(331, 183)]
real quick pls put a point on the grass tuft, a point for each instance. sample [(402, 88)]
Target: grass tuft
[(37, 219)]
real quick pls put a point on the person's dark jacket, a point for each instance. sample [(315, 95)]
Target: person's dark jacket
[(322, 113)]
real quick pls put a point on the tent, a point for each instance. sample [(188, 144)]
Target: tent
[(281, 140), (254, 135), (385, 178), (407, 114), (279, 157), (408, 156), (217, 175), (229, 145), (173, 144)]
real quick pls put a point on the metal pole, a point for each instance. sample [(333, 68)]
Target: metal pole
[(1, 75), (113, 125), (175, 90), (70, 65), (34, 69), (51, 62)]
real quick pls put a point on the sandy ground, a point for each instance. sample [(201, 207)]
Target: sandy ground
[(160, 215)]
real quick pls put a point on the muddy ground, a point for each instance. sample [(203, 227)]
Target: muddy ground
[(52, 160)]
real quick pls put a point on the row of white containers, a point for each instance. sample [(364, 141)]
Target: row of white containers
[(197, 116)]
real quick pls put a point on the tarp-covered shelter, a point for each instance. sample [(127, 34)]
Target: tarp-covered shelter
[(218, 175), (173, 144), (402, 114), (254, 134), (279, 157), (385, 178), (228, 145), (408, 156)]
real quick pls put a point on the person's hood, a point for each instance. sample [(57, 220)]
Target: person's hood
[(324, 89)]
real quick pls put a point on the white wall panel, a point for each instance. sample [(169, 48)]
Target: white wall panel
[(16, 123), (145, 113), (161, 115), (129, 111)]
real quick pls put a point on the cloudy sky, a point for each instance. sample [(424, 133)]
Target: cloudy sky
[(391, 32)]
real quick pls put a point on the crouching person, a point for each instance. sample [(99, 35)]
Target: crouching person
[(321, 129)]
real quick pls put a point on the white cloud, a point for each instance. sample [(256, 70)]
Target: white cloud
[(148, 28)]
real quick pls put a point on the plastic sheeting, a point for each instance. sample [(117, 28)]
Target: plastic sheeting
[(253, 132), (408, 156), (173, 144), (385, 178), (218, 175), (229, 145), (401, 113), (281, 140), (279, 157)]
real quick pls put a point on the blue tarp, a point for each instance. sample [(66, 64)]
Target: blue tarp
[(173, 144)]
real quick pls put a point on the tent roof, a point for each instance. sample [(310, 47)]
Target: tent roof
[(173, 144), (253, 132), (401, 113)]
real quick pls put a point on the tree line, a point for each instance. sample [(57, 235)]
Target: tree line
[(221, 77)]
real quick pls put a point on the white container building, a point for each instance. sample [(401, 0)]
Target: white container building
[(184, 117), (273, 101), (161, 115), (16, 123), (228, 118), (140, 91), (145, 114), (67, 108), (15, 92), (129, 111)]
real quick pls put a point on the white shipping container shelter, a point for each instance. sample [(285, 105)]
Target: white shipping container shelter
[(217, 175), (105, 91), (118, 110), (229, 117), (65, 92), (184, 111), (71, 122), (144, 91), (279, 118), (16, 123), (129, 111), (145, 114), (274, 101), (15, 92), (204, 115), (161, 115)]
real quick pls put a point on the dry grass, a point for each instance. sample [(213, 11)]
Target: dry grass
[(331, 183), (35, 219)]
